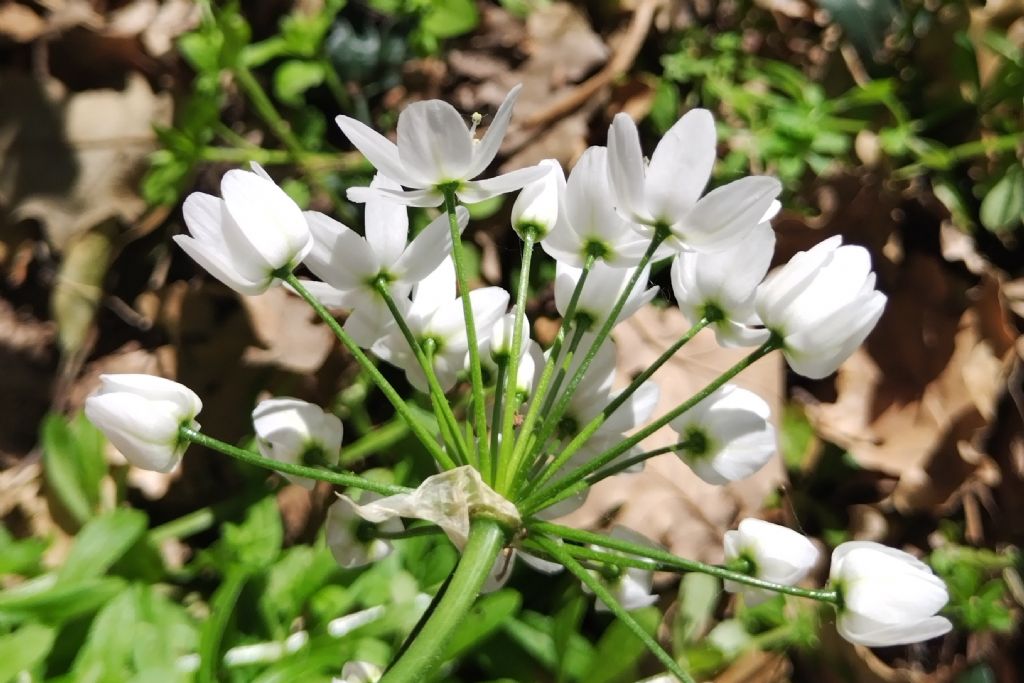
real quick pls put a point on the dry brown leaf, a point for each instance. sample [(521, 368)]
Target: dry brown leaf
[(926, 390), (19, 23), (667, 502), (285, 325), (72, 160)]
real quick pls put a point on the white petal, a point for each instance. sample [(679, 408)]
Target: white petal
[(434, 143), (487, 147), (271, 222), (386, 223), (215, 264), (435, 290), (340, 256), (429, 248), (636, 409), (380, 151), (626, 169), (474, 191), (727, 214), (681, 166)]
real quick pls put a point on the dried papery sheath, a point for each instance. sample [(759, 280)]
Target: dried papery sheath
[(449, 500)]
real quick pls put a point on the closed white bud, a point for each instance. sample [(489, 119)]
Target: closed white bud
[(822, 304), (294, 431), (359, 672), (727, 436), (500, 342), (887, 597), (774, 553), (141, 416), (536, 207), (255, 231)]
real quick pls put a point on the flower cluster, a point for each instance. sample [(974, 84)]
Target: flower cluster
[(537, 426)]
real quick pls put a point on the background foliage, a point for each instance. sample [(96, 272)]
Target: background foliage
[(897, 125)]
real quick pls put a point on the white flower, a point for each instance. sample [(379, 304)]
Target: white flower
[(666, 192), (774, 553), (601, 291), (888, 597), (294, 431), (721, 285), (255, 231), (630, 586), (359, 672), (587, 221), (141, 415), (352, 265), (537, 206), (434, 149), (349, 545), (436, 314), (727, 436), (823, 304), (499, 343)]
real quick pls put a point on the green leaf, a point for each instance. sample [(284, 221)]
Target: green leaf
[(1003, 206), (485, 617), (618, 652), (449, 18), (20, 556), (256, 542), (665, 107), (294, 77), (101, 543), (24, 649), (73, 463), (44, 599)]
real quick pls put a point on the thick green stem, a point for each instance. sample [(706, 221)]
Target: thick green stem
[(401, 407), (591, 427), (539, 499), (604, 595), (668, 562), (475, 372), (336, 478), (426, 652), (505, 473)]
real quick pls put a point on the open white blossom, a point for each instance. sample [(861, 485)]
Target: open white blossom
[(588, 224), (255, 231), (601, 291), (436, 314), (728, 435), (297, 432), (141, 415), (352, 265), (775, 553), (666, 192), (822, 304), (435, 148), (721, 285), (887, 596)]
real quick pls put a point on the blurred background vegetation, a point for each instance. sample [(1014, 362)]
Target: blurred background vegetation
[(896, 125)]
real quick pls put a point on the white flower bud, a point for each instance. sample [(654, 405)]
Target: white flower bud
[(888, 597), (499, 344), (537, 205), (775, 553), (244, 238), (141, 415), (728, 435), (290, 430), (823, 304)]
